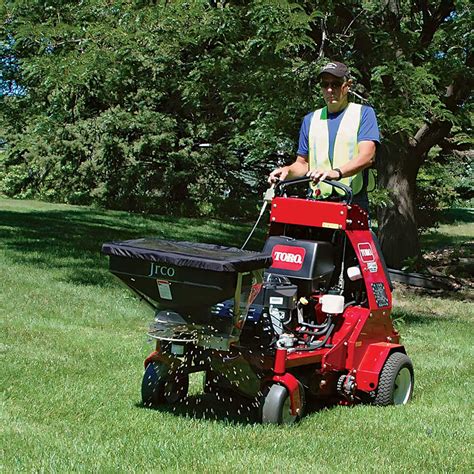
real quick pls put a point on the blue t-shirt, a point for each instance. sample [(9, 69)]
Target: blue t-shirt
[(368, 130)]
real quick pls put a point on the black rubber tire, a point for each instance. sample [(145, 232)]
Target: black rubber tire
[(159, 386), (209, 382), (153, 384), (176, 388), (396, 381), (276, 406)]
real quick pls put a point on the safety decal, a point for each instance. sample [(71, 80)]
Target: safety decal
[(164, 289), (331, 225), (380, 294), (372, 267)]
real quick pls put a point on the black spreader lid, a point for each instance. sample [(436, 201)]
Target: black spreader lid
[(189, 254)]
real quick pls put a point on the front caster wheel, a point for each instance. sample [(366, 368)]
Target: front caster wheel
[(277, 406), (396, 381), (210, 382), (161, 386), (176, 388)]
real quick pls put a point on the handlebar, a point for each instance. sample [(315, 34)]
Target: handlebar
[(280, 186)]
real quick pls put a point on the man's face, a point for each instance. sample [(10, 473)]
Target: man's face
[(334, 89)]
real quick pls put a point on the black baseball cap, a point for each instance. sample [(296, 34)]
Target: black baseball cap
[(335, 68)]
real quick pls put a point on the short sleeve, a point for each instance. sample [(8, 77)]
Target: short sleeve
[(369, 129), (303, 144)]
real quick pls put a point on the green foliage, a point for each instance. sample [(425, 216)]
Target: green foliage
[(379, 198), (122, 94), (446, 180), (107, 102), (462, 161), (435, 192)]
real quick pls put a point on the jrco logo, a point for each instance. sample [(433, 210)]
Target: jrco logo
[(161, 271), (288, 258)]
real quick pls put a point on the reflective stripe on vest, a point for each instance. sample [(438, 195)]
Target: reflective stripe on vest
[(345, 146)]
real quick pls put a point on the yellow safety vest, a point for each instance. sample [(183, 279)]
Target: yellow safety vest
[(345, 147)]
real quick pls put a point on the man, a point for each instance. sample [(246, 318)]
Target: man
[(337, 142)]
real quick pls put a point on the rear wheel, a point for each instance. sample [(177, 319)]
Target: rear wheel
[(160, 386), (276, 407), (396, 381)]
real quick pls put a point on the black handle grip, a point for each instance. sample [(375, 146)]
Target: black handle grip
[(282, 185)]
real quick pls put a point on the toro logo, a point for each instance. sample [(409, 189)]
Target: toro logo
[(288, 258), (366, 253)]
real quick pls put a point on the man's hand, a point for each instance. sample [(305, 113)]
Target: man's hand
[(295, 170), (320, 175), (279, 174)]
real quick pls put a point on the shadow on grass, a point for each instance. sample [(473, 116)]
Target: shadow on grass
[(458, 215), (436, 241), (229, 408), (71, 240)]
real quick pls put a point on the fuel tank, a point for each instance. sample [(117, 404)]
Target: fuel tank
[(308, 264)]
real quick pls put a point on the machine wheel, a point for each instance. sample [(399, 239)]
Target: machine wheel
[(396, 381), (276, 406), (176, 388), (159, 386), (209, 382)]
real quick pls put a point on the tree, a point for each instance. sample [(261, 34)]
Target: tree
[(432, 58), (108, 101), (119, 95), (415, 65)]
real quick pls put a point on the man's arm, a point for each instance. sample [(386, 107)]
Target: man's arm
[(297, 169), (363, 160)]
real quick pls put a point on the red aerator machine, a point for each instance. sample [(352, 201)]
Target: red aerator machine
[(308, 317)]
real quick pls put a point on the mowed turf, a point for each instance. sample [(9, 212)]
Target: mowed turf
[(73, 342)]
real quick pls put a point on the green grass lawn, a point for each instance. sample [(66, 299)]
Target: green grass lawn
[(73, 342)]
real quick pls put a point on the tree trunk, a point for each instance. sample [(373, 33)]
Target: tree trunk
[(397, 169)]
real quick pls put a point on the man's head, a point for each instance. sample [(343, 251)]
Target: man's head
[(335, 84)]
